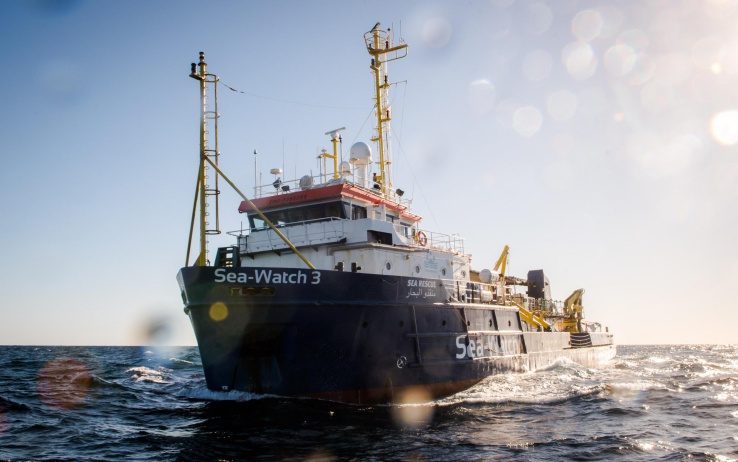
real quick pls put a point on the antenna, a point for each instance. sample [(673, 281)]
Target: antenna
[(335, 137), (256, 180)]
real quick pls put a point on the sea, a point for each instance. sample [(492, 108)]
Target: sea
[(650, 403)]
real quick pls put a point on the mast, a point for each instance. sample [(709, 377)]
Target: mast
[(382, 51), (335, 137), (208, 194)]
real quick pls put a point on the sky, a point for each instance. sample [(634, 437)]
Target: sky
[(598, 139)]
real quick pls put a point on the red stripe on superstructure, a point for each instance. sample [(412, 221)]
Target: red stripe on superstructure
[(293, 198), (336, 191)]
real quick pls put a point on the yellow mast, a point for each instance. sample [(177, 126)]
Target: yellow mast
[(335, 138), (382, 51), (208, 119), (209, 158)]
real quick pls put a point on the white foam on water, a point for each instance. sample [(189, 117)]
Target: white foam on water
[(234, 395), (561, 381), (146, 374)]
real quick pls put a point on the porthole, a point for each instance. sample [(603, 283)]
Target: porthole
[(388, 265), (443, 323), (417, 269), (509, 323), (443, 272)]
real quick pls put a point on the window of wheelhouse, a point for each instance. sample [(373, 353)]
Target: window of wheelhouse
[(406, 229), (358, 212), (299, 215)]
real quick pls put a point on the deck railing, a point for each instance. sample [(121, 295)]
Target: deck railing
[(307, 232)]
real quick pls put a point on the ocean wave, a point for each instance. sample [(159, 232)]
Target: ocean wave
[(98, 381), (8, 405), (559, 364), (636, 386), (146, 374), (556, 384), (206, 394)]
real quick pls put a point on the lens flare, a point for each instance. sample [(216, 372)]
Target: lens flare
[(720, 9), (708, 53), (561, 105), (527, 121), (481, 93), (642, 71), (320, 456), (587, 25), (218, 311), (672, 68), (539, 18), (580, 60), (724, 127), (612, 20), (63, 383), (636, 39), (620, 60), (413, 408)]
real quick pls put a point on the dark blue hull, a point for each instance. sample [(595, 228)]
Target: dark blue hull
[(357, 338)]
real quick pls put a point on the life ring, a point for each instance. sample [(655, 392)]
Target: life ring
[(422, 238)]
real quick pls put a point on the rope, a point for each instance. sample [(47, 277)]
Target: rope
[(287, 101)]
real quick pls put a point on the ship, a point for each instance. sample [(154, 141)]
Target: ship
[(335, 291)]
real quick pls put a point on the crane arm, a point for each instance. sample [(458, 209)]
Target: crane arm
[(501, 264)]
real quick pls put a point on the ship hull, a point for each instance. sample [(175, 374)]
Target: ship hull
[(360, 338)]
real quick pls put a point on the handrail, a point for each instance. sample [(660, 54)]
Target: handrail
[(261, 215), (303, 222), (451, 242), (240, 232)]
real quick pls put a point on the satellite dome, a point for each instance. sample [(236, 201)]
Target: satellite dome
[(306, 182), (360, 154), (345, 169)]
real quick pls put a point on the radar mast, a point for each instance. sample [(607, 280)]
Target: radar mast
[(380, 47)]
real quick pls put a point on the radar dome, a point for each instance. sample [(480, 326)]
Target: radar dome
[(345, 169), (306, 182), (360, 153)]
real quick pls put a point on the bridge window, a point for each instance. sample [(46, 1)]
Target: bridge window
[(295, 215), (358, 212)]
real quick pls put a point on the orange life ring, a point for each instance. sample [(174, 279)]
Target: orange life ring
[(422, 238)]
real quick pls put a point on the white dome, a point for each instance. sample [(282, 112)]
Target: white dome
[(360, 153), (306, 182), (344, 168)]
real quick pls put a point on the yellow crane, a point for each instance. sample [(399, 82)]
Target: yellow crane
[(573, 309), (531, 318)]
